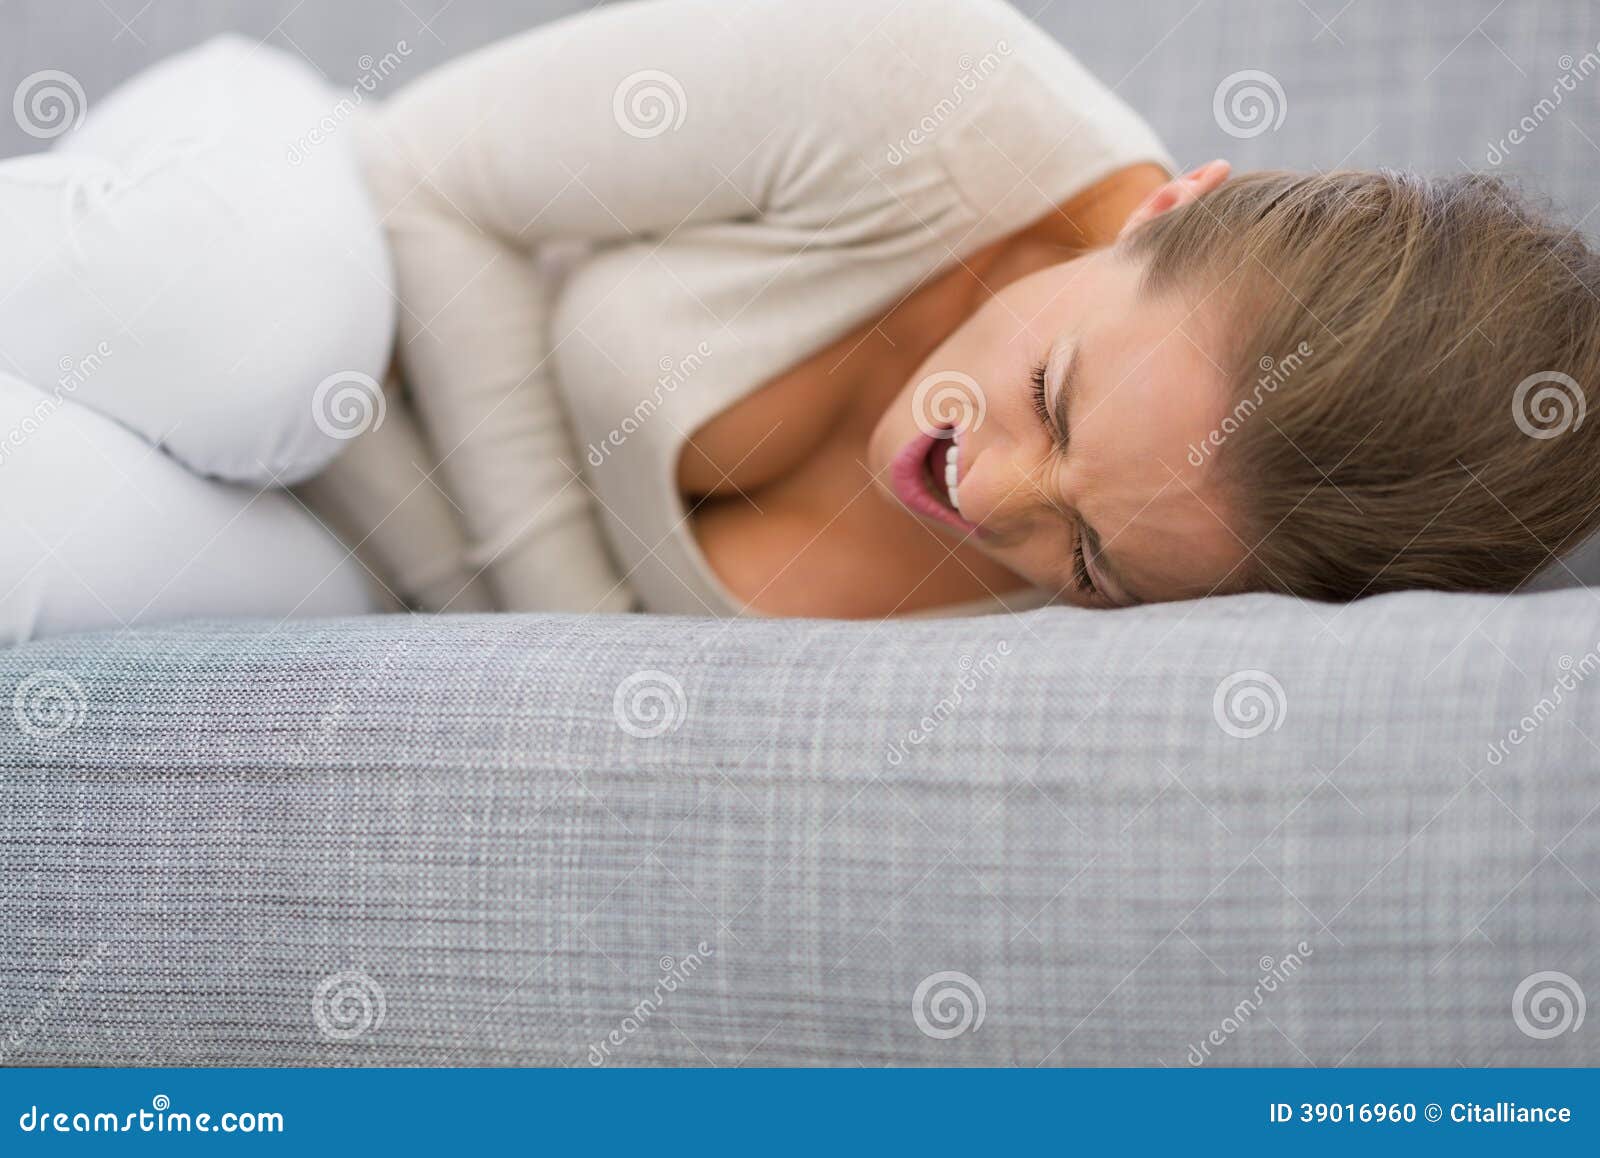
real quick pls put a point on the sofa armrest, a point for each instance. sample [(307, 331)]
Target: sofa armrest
[(1249, 831)]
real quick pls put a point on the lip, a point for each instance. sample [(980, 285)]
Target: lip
[(908, 475)]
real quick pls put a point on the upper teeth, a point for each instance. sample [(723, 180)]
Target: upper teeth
[(952, 471)]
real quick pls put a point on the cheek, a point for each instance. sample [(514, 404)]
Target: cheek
[(1042, 556), (995, 346)]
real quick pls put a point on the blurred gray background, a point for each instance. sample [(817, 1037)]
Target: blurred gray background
[(1423, 84)]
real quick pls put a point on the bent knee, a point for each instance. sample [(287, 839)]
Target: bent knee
[(217, 272)]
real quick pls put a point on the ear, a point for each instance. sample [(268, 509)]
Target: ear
[(1177, 192)]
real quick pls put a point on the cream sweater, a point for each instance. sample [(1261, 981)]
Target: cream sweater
[(742, 185)]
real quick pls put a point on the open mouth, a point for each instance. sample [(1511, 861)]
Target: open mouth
[(926, 479)]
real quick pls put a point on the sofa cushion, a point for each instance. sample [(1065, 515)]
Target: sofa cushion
[(1245, 831)]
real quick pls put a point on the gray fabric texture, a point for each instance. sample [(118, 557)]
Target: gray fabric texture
[(204, 824)]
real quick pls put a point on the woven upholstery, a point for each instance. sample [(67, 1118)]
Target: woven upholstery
[(206, 822)]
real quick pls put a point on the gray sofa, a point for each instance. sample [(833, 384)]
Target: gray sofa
[(224, 842), (1246, 831)]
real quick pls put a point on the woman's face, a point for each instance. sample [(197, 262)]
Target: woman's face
[(1087, 491)]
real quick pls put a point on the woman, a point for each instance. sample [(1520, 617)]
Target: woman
[(884, 310)]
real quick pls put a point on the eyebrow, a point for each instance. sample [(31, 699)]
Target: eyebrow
[(1094, 550)]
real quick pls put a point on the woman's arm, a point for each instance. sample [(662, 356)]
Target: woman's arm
[(643, 119), (632, 121)]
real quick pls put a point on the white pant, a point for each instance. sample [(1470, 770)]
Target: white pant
[(195, 297)]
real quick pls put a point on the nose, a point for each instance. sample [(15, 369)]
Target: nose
[(1002, 490)]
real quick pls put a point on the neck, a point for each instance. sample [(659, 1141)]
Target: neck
[(1090, 220)]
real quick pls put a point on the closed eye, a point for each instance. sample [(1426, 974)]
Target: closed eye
[(1081, 578), (1055, 422), (1039, 392)]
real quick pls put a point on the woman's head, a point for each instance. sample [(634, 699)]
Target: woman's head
[(1325, 384)]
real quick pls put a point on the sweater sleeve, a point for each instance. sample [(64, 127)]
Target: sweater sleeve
[(775, 128), (625, 123)]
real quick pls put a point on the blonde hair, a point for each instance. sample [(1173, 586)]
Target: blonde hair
[(1445, 345)]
